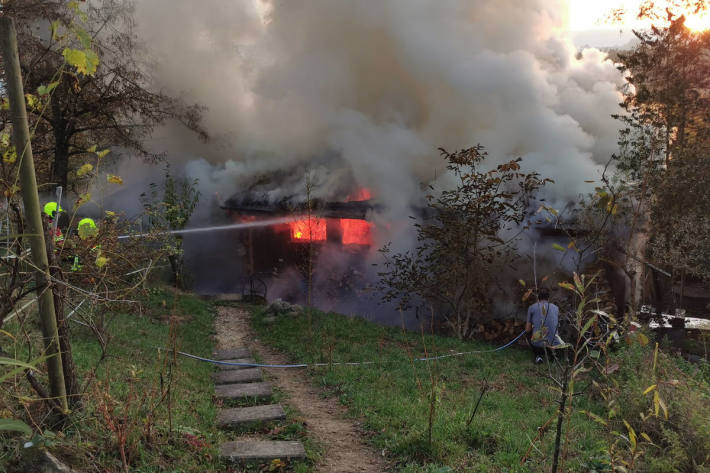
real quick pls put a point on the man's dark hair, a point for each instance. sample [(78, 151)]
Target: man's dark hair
[(543, 294)]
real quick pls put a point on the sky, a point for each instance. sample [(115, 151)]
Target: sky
[(587, 26)]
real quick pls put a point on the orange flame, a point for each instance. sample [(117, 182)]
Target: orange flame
[(356, 232), (308, 230), (362, 194)]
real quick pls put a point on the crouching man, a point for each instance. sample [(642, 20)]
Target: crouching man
[(542, 324)]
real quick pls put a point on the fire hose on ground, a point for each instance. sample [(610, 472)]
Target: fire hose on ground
[(341, 363)]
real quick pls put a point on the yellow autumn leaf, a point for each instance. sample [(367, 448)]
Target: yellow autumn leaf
[(632, 434), (85, 61), (101, 261), (75, 58), (102, 153), (10, 156), (643, 339), (83, 198), (31, 100), (578, 282), (663, 406), (567, 285), (91, 149), (84, 170), (7, 334), (113, 179)]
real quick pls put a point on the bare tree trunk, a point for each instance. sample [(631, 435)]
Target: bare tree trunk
[(60, 165), (59, 293)]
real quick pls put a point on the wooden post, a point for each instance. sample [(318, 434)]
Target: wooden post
[(33, 216)]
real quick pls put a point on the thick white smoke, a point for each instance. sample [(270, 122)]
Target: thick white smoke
[(365, 92), (377, 87)]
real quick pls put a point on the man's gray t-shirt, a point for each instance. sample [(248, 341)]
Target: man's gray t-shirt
[(544, 318)]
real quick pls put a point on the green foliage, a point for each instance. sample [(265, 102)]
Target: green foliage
[(461, 249), (663, 146), (666, 399), (649, 409), (85, 61), (14, 425), (172, 211)]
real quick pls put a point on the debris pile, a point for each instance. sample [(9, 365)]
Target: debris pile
[(280, 308)]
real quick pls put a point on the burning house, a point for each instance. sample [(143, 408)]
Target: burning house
[(296, 236)]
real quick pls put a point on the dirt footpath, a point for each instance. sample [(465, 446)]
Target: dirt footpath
[(326, 422)]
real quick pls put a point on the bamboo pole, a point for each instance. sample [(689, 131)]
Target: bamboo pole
[(30, 199)]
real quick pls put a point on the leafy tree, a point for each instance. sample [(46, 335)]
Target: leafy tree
[(665, 142), (461, 248), (97, 266), (171, 212), (107, 101)]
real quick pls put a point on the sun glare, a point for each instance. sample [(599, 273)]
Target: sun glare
[(699, 22), (586, 15)]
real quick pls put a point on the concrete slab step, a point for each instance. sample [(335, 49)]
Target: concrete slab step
[(243, 391), (237, 360), (261, 450), (231, 353), (248, 375), (250, 415)]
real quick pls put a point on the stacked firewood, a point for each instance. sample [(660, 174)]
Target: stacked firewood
[(498, 330)]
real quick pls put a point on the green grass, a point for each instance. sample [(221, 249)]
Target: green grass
[(134, 359), (175, 434), (391, 396)]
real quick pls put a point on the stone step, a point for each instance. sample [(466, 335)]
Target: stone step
[(237, 360), (261, 450), (249, 415), (243, 391), (231, 353), (228, 297), (249, 375)]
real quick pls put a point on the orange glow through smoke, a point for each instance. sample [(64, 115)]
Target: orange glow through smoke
[(305, 230), (355, 231), (362, 194)]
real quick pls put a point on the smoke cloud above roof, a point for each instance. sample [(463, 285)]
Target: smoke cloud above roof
[(367, 91)]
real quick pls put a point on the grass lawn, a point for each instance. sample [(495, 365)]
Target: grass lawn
[(125, 393), (392, 395), (134, 369)]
